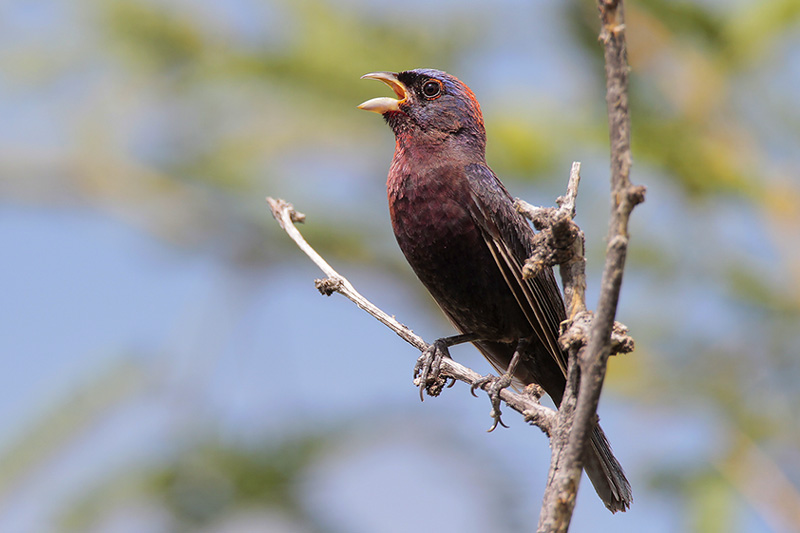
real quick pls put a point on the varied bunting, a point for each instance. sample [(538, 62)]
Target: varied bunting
[(457, 226)]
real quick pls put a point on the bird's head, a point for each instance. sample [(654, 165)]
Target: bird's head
[(432, 107)]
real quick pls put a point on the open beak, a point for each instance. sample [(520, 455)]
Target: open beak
[(385, 104)]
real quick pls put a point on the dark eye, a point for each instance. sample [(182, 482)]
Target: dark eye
[(432, 88)]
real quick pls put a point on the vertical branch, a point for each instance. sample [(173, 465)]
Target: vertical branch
[(624, 197), (576, 426), (573, 271)]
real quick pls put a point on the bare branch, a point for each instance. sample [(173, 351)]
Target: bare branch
[(526, 403), (565, 473), (560, 242)]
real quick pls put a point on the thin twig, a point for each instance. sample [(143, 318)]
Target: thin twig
[(525, 404)]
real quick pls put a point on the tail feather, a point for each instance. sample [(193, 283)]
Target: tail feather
[(606, 473)]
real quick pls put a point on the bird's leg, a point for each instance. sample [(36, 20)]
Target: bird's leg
[(493, 385), (430, 362)]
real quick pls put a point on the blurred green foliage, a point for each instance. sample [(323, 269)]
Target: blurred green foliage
[(212, 480), (227, 115)]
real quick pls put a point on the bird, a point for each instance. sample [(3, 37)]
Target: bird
[(457, 226)]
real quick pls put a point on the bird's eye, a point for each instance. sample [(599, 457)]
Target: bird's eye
[(432, 89)]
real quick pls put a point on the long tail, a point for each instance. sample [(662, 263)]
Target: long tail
[(606, 473)]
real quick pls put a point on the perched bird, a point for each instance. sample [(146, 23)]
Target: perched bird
[(456, 225)]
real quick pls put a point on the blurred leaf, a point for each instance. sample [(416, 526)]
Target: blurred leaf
[(207, 482), (712, 505), (515, 146), (755, 27), (693, 20), (67, 421), (157, 37), (750, 286), (704, 162)]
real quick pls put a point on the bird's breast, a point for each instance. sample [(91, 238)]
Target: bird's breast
[(432, 221), (431, 210)]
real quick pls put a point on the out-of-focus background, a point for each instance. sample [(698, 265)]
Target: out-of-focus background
[(167, 364)]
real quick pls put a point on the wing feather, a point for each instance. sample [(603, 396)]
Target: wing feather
[(510, 243)]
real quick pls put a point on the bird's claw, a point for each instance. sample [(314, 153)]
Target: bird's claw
[(493, 385), (427, 371)]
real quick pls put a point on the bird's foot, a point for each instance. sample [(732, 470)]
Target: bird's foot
[(493, 386), (427, 371)]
